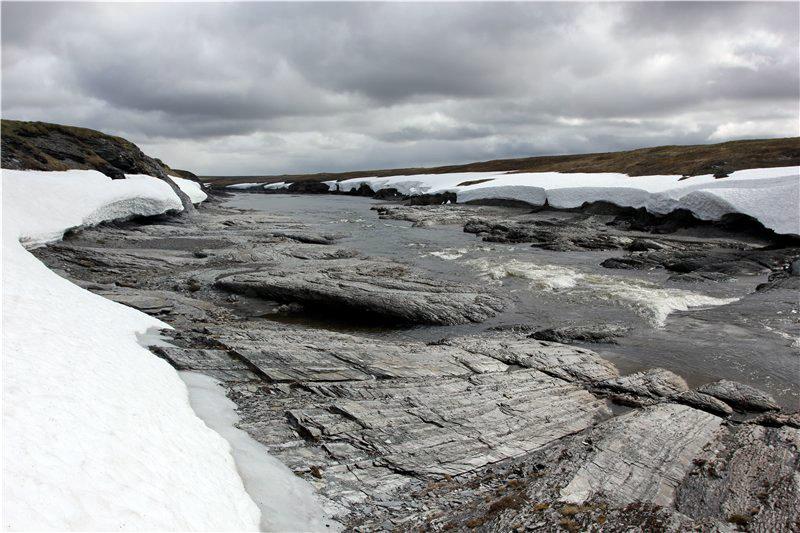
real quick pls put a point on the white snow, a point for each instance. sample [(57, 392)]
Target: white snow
[(770, 195), (243, 186), (278, 185), (98, 432), (191, 188), (287, 502)]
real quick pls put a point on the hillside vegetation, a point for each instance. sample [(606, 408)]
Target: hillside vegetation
[(44, 146), (718, 159)]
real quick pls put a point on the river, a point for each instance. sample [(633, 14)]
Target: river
[(701, 331)]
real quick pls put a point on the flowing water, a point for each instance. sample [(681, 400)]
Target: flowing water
[(701, 331)]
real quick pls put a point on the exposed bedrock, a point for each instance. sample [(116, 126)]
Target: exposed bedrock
[(367, 288), (642, 456), (494, 431), (578, 233)]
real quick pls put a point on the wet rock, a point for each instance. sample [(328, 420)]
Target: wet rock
[(727, 261), (369, 289), (582, 333), (740, 396), (642, 456), (558, 235), (308, 237), (652, 384), (698, 400), (308, 187), (430, 215), (701, 277), (643, 245)]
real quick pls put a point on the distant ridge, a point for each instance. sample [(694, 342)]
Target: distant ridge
[(692, 160)]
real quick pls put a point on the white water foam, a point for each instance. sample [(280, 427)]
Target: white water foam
[(449, 254), (647, 299)]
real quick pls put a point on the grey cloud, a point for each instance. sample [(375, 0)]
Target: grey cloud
[(292, 87)]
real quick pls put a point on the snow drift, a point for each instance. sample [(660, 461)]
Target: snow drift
[(770, 195), (98, 432)]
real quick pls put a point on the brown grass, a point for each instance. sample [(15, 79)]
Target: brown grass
[(684, 160)]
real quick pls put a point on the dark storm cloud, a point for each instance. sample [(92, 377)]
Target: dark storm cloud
[(291, 87)]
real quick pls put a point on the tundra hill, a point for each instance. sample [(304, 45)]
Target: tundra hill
[(718, 159), (44, 146)]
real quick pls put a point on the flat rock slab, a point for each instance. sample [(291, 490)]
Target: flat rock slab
[(644, 455), (566, 362), (752, 476), (369, 289), (301, 355), (453, 425)]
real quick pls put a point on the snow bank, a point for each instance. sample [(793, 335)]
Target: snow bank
[(278, 185), (243, 186), (287, 502), (98, 432), (193, 189), (770, 195)]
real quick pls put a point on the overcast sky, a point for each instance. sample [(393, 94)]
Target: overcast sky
[(271, 88)]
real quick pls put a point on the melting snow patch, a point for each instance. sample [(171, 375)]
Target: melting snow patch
[(287, 502)]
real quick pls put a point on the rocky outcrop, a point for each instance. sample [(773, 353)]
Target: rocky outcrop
[(369, 289), (643, 456), (751, 480), (558, 235), (739, 395), (708, 263), (44, 146), (566, 362), (582, 333)]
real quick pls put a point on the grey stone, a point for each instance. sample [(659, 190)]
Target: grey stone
[(740, 396), (644, 455), (369, 288), (582, 333), (655, 383), (698, 400)]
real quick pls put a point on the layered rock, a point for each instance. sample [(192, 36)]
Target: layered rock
[(369, 289), (643, 456)]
